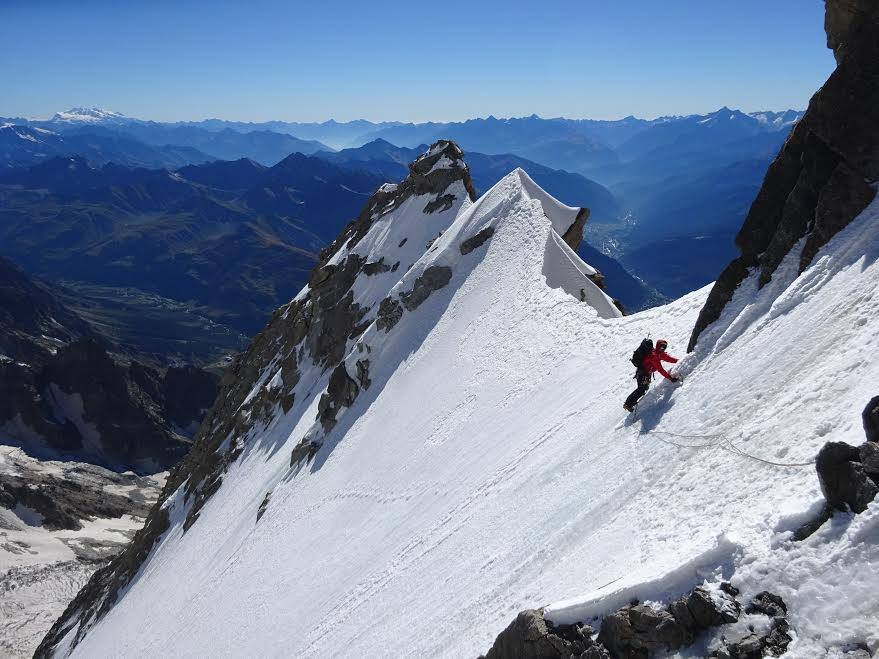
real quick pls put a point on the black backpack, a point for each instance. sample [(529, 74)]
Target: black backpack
[(643, 350)]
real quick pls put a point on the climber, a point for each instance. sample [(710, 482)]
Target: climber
[(651, 363)]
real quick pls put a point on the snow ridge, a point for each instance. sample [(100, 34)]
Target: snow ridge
[(335, 343)]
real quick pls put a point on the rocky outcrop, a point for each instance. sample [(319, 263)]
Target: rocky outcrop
[(574, 235), (849, 478), (772, 642), (476, 240), (843, 476), (531, 636), (424, 178), (638, 630), (700, 610), (341, 392), (824, 175), (390, 311), (870, 417), (635, 631), (433, 279)]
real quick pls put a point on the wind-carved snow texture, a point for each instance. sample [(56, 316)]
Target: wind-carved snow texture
[(484, 464)]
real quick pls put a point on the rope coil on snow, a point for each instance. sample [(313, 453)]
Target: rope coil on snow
[(719, 440)]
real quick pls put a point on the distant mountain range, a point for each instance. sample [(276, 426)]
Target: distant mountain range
[(573, 144), (104, 136), (684, 178), (23, 146)]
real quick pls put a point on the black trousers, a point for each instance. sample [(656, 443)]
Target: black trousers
[(643, 379)]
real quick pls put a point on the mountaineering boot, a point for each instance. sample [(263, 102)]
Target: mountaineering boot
[(628, 408)]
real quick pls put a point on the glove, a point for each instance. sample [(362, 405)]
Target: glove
[(675, 378)]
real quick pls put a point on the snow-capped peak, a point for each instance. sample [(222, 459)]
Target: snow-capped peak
[(89, 116), (777, 120)]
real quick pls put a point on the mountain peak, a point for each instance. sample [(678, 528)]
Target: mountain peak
[(422, 264), (88, 115), (433, 173)]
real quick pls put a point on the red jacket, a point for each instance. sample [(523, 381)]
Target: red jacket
[(653, 362)]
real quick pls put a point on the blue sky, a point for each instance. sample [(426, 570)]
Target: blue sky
[(413, 61)]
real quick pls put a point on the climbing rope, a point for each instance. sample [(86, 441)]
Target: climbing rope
[(735, 449), (714, 439), (723, 442)]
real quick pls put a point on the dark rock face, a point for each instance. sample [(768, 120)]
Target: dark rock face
[(363, 373), (530, 636), (390, 311), (330, 312), (59, 383), (441, 203), (841, 17), (304, 450), (341, 392), (130, 422), (768, 604), (635, 631), (432, 279), (188, 394), (574, 235), (87, 406), (262, 506), (698, 611), (843, 478), (870, 417), (820, 181), (869, 455), (476, 240), (849, 476), (753, 646), (376, 267)]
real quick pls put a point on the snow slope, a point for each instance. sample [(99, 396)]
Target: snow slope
[(490, 468)]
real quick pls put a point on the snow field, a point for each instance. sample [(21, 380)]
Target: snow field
[(490, 468)]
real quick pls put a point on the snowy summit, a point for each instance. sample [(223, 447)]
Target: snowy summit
[(89, 116)]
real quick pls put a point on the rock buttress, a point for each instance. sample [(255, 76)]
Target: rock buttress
[(822, 177)]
